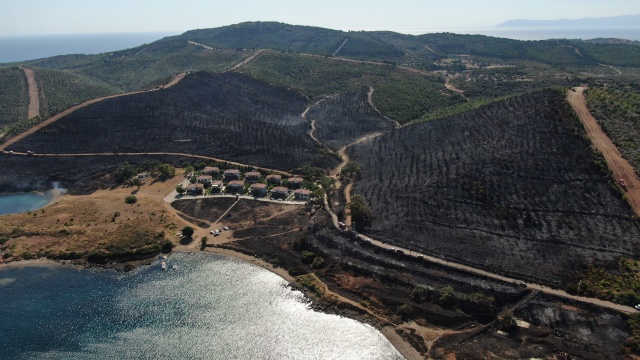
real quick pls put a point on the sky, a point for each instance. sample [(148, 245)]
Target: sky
[(37, 17)]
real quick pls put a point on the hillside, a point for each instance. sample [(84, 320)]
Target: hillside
[(14, 97), (59, 90), (230, 116), (342, 119), (468, 60), (512, 187)]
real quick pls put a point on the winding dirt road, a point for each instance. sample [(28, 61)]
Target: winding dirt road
[(34, 100), (620, 167)]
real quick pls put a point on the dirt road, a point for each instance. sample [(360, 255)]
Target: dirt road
[(339, 47), (620, 167), (247, 59), (34, 100), (201, 45), (59, 116), (345, 159), (370, 101), (448, 85), (156, 153), (476, 271)]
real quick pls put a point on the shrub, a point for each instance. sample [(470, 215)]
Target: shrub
[(404, 310), (167, 246), (188, 231), (131, 199), (307, 257), (318, 262)]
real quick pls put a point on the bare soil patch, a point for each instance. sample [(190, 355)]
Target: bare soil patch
[(98, 227), (34, 100)]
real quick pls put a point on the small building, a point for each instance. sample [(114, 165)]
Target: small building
[(274, 179), (258, 189), (204, 179), (216, 186), (195, 189), (295, 182), (302, 194), (235, 186), (211, 170), (232, 174), (280, 192), (252, 176)]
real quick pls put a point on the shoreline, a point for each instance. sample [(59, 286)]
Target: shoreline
[(401, 345), (54, 194)]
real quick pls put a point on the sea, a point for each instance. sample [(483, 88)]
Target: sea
[(210, 307), (31, 47), (22, 48), (21, 202)]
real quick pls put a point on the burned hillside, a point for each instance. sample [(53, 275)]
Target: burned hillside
[(342, 119), (228, 115), (512, 187)]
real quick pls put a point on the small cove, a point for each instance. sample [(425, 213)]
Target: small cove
[(211, 307), (28, 201)]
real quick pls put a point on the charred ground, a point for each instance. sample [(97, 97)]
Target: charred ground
[(438, 310), (512, 187), (229, 115), (342, 119)]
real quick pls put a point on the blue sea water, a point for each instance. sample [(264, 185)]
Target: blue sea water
[(21, 202), (21, 48), (211, 307)]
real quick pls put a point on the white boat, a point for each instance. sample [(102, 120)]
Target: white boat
[(164, 265), (175, 267)]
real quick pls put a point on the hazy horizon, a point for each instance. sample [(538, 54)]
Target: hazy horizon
[(67, 17)]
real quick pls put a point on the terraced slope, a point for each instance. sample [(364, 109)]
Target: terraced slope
[(230, 116), (512, 187), (14, 96), (59, 90)]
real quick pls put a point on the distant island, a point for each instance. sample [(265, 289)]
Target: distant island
[(613, 21)]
